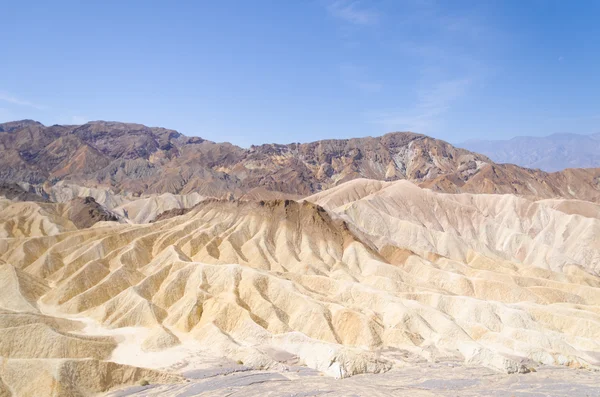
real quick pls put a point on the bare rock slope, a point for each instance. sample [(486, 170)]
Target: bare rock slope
[(355, 279), (135, 159)]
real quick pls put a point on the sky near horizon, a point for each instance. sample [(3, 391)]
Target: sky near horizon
[(251, 72)]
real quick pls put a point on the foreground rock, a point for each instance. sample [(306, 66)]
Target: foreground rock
[(71, 377), (86, 212), (448, 379)]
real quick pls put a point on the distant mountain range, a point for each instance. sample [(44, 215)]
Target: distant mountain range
[(135, 159), (549, 153)]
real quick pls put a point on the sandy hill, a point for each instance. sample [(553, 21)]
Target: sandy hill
[(23, 219), (133, 159), (130, 208), (342, 281)]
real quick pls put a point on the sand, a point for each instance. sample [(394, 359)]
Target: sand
[(367, 279), (449, 379)]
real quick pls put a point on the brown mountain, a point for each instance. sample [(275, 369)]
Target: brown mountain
[(139, 159), (85, 212), (15, 192)]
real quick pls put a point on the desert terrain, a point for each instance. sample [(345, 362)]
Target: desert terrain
[(386, 281), (389, 265)]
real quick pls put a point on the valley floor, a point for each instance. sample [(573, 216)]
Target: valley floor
[(423, 379)]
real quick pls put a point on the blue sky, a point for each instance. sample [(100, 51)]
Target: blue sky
[(281, 71)]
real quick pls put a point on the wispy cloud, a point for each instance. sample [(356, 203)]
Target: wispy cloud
[(79, 120), (356, 77), (70, 119), (437, 67), (427, 114), (5, 115), (574, 119), (6, 97), (369, 86), (352, 11)]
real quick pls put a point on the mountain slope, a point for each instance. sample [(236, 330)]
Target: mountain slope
[(134, 159)]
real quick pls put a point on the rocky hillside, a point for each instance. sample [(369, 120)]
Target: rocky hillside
[(16, 192), (85, 212), (137, 159)]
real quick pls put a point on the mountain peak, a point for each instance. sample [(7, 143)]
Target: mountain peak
[(138, 159), (19, 124)]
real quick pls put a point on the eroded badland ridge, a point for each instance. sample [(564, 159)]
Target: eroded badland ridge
[(137, 256)]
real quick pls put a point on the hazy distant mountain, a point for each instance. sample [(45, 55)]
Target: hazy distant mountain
[(549, 153), (137, 159)]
